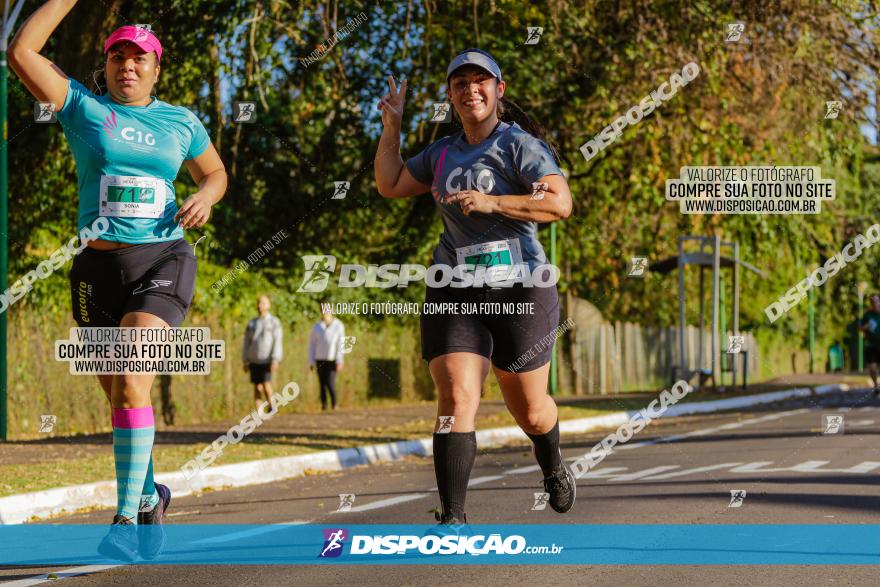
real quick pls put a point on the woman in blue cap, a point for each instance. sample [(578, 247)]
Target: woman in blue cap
[(128, 147), (493, 183)]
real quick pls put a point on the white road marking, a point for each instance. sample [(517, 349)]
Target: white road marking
[(705, 431), (384, 503), (690, 471), (751, 467), (519, 470), (607, 472), (486, 479), (645, 473)]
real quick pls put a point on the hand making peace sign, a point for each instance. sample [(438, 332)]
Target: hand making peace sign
[(391, 104)]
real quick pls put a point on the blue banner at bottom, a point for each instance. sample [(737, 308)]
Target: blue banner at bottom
[(607, 544)]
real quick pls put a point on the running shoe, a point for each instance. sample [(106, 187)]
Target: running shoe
[(449, 526), (151, 533), (562, 487), (121, 542)]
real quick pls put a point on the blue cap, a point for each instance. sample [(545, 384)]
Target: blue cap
[(476, 57)]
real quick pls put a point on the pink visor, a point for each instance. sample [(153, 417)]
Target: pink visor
[(141, 37)]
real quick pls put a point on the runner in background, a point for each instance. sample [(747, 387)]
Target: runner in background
[(128, 146), (261, 351), (870, 325)]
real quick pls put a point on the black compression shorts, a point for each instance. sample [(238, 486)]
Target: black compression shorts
[(157, 278), (513, 342)]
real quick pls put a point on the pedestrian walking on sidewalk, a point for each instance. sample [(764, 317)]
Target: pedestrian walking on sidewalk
[(326, 353), (262, 350)]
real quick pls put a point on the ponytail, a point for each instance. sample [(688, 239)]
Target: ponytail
[(510, 112)]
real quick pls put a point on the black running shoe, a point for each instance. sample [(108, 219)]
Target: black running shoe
[(449, 525), (121, 542), (562, 487), (151, 534)]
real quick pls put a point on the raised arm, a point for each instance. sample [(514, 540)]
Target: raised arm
[(42, 78), (393, 179)]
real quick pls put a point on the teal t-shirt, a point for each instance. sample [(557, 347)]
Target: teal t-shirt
[(127, 158)]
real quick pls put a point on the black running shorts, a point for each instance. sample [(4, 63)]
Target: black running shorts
[(260, 372), (514, 342), (157, 278), (871, 354)]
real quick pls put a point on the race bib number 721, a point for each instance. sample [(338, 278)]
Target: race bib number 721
[(132, 197)]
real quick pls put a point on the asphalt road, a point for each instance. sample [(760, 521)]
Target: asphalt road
[(678, 471)]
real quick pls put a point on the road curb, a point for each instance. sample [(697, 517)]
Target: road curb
[(17, 509)]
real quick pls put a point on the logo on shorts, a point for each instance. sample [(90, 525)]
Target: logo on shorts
[(83, 294), (157, 283), (334, 540), (319, 268)]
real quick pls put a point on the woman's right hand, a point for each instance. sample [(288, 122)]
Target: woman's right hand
[(391, 105)]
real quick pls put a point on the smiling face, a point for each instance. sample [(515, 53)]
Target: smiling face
[(131, 74), (474, 93)]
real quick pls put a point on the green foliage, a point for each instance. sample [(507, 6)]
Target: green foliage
[(757, 102)]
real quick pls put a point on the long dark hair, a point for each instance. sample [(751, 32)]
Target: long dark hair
[(510, 111)]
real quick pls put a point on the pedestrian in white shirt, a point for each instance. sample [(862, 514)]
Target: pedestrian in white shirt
[(262, 350), (325, 353)]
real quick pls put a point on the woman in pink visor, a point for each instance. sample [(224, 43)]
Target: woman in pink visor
[(140, 273)]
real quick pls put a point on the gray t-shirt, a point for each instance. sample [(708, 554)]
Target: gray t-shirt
[(505, 163)]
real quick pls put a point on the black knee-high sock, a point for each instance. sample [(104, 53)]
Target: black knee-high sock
[(547, 449), (454, 455)]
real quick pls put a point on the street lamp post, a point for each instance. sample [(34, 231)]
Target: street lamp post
[(862, 288), (8, 22)]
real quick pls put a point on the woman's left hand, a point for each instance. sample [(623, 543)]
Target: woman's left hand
[(195, 212), (472, 201)]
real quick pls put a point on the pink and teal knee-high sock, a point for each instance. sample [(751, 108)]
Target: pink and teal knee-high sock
[(133, 434)]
